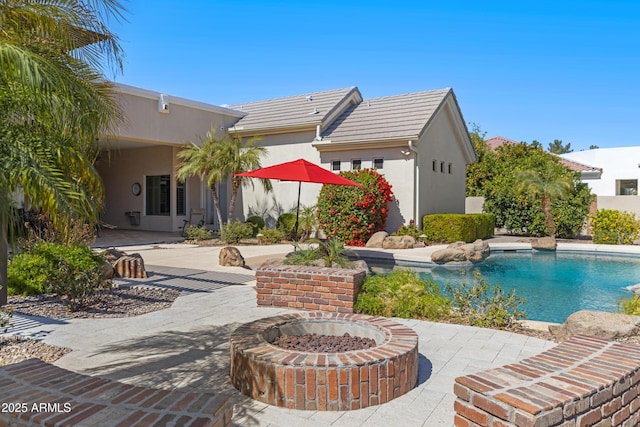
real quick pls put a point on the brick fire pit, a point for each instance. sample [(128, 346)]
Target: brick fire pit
[(324, 381)]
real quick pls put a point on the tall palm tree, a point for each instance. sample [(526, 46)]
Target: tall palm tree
[(546, 185), (54, 102), (217, 159)]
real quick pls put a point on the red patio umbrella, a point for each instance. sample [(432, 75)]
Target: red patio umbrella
[(301, 171)]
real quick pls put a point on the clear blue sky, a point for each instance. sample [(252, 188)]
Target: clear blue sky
[(540, 70)]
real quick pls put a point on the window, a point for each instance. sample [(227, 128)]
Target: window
[(335, 165), (158, 195), (181, 198), (441, 167), (450, 168), (356, 164), (378, 163), (434, 164), (626, 187)]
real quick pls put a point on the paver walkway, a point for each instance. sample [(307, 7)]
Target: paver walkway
[(186, 346)]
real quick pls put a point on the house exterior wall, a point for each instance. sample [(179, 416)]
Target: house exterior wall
[(621, 163)]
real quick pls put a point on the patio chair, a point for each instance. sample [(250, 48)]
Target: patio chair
[(196, 218)]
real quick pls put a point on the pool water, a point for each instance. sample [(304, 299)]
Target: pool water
[(554, 284)]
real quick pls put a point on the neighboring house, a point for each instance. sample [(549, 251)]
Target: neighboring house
[(419, 141)]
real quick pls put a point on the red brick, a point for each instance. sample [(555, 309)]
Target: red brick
[(332, 384), (311, 383), (620, 416), (491, 406), (471, 413), (589, 419)]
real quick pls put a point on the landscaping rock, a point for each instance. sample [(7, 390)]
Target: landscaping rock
[(230, 257), (130, 266), (398, 242), (462, 252), (107, 270), (600, 324), (360, 264), (544, 244), (376, 240)]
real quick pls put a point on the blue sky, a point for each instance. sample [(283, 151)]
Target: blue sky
[(532, 70)]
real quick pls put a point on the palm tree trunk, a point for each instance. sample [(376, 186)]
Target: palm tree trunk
[(235, 185), (4, 259), (216, 203), (546, 209)]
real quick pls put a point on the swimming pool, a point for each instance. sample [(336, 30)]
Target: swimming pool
[(555, 284)]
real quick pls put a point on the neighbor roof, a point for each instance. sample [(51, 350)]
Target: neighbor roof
[(292, 111), (386, 118), (498, 141), (579, 167)]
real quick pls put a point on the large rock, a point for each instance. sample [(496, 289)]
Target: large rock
[(376, 240), (230, 257), (461, 252), (544, 244), (600, 324), (398, 242), (131, 266)]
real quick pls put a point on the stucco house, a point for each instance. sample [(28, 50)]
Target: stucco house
[(419, 141)]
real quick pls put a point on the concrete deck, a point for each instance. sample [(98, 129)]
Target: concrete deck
[(186, 346)]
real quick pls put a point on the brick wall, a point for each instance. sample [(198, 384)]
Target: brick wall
[(585, 381), (309, 288)]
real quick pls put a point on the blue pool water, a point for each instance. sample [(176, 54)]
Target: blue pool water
[(554, 284)]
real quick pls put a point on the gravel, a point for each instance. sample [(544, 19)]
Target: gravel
[(120, 302), (318, 343)]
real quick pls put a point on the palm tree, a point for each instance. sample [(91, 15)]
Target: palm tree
[(217, 159), (547, 185), (54, 102)]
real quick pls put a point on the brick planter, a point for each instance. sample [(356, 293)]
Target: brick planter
[(585, 381), (324, 381), (308, 288)]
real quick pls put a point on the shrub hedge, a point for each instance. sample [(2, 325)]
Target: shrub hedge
[(458, 227)]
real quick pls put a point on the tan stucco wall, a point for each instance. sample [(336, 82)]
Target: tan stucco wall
[(620, 203)]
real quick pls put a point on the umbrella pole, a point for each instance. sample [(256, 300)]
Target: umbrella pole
[(295, 233)]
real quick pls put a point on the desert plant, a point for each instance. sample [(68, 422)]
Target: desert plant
[(257, 223), (34, 272), (614, 227), (235, 231), (307, 256), (193, 232), (630, 305), (484, 307), (5, 319), (308, 222), (79, 287), (334, 253), (287, 224), (271, 236), (353, 214), (409, 230), (402, 293)]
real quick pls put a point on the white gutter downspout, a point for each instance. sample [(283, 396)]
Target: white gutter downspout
[(318, 137), (416, 185)]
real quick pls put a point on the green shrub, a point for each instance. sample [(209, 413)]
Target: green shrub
[(271, 236), (484, 307), (308, 256), (287, 224), (630, 305), (353, 214), (193, 232), (409, 230), (614, 227), (79, 287), (36, 271), (402, 293), (235, 231), (256, 222), (457, 227)]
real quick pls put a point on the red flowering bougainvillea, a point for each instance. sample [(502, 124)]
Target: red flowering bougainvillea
[(353, 214)]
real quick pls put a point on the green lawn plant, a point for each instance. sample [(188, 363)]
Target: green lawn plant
[(613, 227), (257, 223), (402, 293), (235, 231), (353, 214), (193, 232), (271, 236)]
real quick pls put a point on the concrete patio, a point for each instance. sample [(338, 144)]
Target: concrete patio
[(186, 346)]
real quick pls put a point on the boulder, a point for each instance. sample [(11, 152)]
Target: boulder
[(462, 252), (230, 257), (376, 240), (360, 264), (131, 266), (112, 255), (600, 324), (544, 244), (107, 270), (398, 242)]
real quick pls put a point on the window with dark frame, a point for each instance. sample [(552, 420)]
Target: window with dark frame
[(378, 163), (434, 165), (356, 164), (158, 195), (450, 168), (441, 167), (335, 165), (181, 198)]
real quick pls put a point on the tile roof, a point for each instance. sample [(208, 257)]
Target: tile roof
[(498, 141), (579, 167), (291, 111), (388, 117)]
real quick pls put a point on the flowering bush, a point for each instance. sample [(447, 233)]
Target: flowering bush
[(353, 214), (613, 227)]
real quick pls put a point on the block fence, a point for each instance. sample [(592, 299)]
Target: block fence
[(585, 381), (309, 288), (35, 393)]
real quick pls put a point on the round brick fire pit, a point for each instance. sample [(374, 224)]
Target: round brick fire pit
[(324, 381)]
